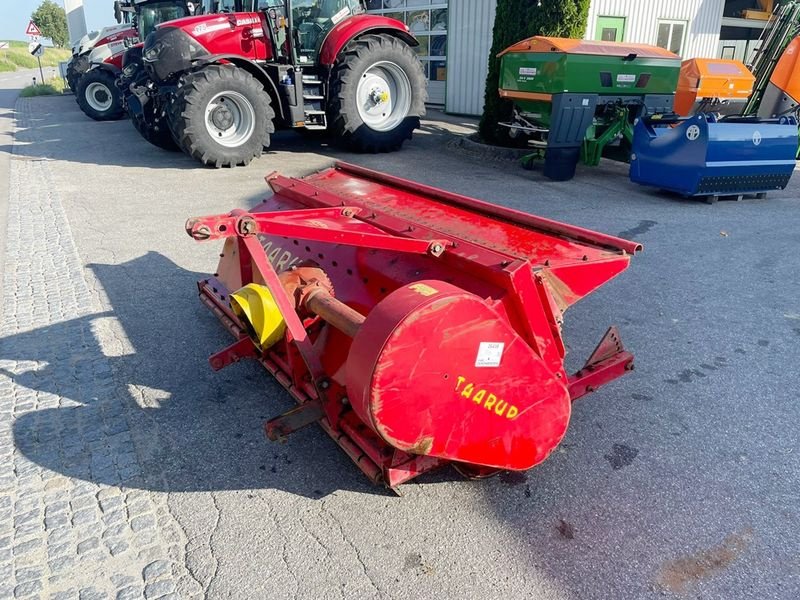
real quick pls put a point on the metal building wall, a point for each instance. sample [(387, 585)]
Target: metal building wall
[(704, 18), (468, 44)]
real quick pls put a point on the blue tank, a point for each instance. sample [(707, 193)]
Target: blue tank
[(703, 156)]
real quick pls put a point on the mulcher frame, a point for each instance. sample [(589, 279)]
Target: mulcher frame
[(331, 218)]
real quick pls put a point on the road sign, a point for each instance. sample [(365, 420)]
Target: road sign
[(36, 49), (32, 29)]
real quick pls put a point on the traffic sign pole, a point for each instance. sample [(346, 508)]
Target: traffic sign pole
[(35, 46)]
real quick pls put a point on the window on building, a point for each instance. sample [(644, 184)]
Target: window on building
[(728, 52), (670, 35), (427, 20)]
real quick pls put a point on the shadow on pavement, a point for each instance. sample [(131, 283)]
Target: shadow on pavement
[(193, 430), (58, 130)]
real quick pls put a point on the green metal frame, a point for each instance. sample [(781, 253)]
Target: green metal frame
[(593, 144), (592, 147)]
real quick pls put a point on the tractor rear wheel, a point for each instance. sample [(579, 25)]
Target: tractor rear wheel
[(99, 97), (378, 94), (221, 116)]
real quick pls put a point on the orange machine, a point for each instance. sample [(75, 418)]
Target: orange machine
[(719, 84), (782, 94)]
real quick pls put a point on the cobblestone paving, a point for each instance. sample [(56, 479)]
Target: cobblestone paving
[(67, 536)]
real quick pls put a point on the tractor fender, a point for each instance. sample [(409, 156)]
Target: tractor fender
[(113, 65), (251, 67), (356, 26)]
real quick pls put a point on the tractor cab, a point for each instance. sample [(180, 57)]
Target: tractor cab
[(152, 13), (313, 19), (146, 14)]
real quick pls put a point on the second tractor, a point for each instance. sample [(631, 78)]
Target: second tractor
[(217, 85)]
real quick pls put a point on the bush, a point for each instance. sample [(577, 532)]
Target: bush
[(53, 87), (516, 20)]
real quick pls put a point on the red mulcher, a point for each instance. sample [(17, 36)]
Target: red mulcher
[(418, 327)]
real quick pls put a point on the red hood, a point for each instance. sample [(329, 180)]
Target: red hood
[(194, 25)]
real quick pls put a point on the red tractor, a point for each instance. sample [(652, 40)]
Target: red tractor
[(219, 84)]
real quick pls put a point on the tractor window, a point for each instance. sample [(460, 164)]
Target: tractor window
[(313, 19), (160, 12), (229, 6)]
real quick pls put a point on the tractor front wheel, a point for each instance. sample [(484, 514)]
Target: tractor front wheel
[(99, 97), (221, 116), (147, 122), (378, 94)]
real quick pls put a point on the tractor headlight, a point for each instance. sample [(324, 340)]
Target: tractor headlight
[(151, 54), (129, 70)]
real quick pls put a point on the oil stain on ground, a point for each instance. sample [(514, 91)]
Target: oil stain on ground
[(642, 228), (566, 529), (676, 574), (690, 375), (621, 456), (415, 562)]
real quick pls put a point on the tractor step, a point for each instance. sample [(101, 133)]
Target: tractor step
[(313, 97), (316, 120)]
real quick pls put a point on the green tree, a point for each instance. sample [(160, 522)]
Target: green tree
[(516, 20), (51, 20)]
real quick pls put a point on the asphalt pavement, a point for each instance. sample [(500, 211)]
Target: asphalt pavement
[(680, 480)]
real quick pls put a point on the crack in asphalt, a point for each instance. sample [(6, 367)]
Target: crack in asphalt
[(359, 558), (319, 542), (214, 531), (284, 554)]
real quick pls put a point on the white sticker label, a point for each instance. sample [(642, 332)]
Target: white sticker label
[(692, 133), (340, 15), (527, 71), (626, 78), (756, 138), (489, 354), (585, 102)]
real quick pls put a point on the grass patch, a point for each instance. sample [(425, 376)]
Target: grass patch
[(18, 57), (53, 87)]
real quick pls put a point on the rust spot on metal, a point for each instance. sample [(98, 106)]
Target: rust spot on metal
[(561, 292), (676, 574), (422, 446)]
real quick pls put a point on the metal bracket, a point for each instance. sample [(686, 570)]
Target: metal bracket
[(280, 427), (609, 345), (237, 351), (609, 361), (331, 225)]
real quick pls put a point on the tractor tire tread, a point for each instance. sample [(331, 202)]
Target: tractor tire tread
[(192, 139), (116, 111), (343, 118)]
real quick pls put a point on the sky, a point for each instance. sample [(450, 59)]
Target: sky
[(15, 14)]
